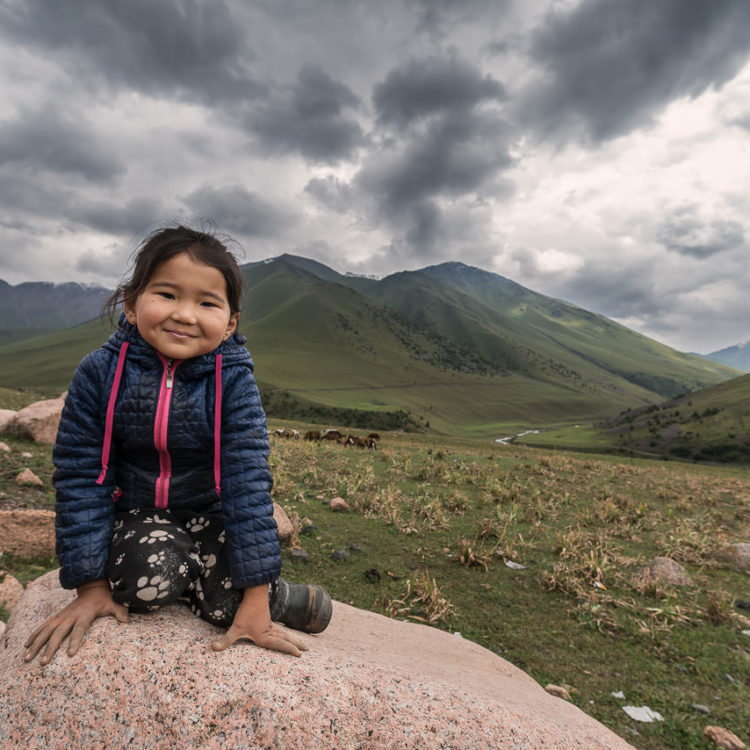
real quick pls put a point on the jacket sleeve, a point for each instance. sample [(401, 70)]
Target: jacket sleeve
[(84, 509), (252, 536)]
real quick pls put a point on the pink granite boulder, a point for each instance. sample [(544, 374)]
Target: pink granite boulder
[(27, 533), (286, 527), (366, 682), (6, 417), (38, 421)]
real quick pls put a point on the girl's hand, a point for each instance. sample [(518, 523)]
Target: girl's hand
[(94, 600), (253, 620)]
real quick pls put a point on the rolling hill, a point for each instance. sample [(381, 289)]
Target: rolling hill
[(450, 347), (710, 425)]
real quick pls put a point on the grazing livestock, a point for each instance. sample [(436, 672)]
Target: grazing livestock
[(331, 435), (313, 435), (373, 436), (283, 432)]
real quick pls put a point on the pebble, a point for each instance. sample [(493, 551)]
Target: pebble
[(701, 709), (4, 447), (341, 554), (300, 555)]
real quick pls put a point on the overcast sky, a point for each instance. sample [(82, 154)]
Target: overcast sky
[(593, 150)]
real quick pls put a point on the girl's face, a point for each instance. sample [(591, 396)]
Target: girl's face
[(184, 311)]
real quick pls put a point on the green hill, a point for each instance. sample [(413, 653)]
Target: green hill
[(450, 347), (709, 425)]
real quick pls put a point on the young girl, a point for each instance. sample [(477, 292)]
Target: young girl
[(161, 474)]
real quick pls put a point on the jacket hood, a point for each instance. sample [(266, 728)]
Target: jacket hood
[(233, 351)]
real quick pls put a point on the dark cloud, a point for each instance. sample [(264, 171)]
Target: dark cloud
[(611, 65), (47, 140), (686, 233), (440, 17), (238, 211), (331, 193), (449, 144), (432, 86), (309, 118), (190, 48), (135, 217)]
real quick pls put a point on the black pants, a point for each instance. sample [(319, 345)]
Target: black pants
[(159, 557)]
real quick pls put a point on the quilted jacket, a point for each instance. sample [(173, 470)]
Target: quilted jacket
[(141, 431)]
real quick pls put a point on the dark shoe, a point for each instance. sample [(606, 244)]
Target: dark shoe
[(304, 607)]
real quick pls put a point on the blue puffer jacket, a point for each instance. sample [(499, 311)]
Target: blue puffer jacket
[(147, 432)]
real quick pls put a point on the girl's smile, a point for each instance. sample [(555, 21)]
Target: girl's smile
[(183, 312)]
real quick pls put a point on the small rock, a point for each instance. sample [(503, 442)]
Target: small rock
[(723, 738), (286, 528), (742, 604), (4, 447), (341, 554), (664, 570), (558, 691), (300, 555), (339, 504), (354, 547), (745, 632), (308, 527), (736, 555), (618, 694), (6, 417), (27, 477), (642, 713), (514, 565), (2, 629), (38, 421), (10, 591), (700, 708), (27, 454)]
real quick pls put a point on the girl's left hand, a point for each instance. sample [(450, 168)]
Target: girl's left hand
[(253, 621)]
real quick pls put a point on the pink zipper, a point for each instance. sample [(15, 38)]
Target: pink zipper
[(160, 431)]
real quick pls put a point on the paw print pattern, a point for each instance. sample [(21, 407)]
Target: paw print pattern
[(152, 588), (218, 614), (158, 535), (118, 525), (155, 519), (208, 561), (157, 558), (197, 524), (227, 583), (129, 534), (120, 558), (221, 538)]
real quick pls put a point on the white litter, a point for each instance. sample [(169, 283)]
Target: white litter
[(642, 713), (515, 565), (619, 694)]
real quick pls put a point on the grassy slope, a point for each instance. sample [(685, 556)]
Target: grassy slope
[(438, 518), (711, 424)]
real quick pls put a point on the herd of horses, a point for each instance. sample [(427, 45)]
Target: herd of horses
[(370, 442)]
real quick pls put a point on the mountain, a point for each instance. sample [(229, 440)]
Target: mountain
[(34, 308), (449, 347), (737, 356)]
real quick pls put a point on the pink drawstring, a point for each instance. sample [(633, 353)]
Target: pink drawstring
[(217, 428), (111, 411)]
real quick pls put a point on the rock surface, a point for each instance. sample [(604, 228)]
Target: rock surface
[(28, 478), (736, 555), (666, 571), (286, 527), (27, 533), (339, 505), (367, 681), (6, 417), (723, 738), (11, 591), (38, 421)]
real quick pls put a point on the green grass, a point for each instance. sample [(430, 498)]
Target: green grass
[(438, 518)]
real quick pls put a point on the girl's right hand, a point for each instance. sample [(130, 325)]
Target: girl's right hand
[(94, 600)]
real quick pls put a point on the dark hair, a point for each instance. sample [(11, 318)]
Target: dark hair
[(202, 246)]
